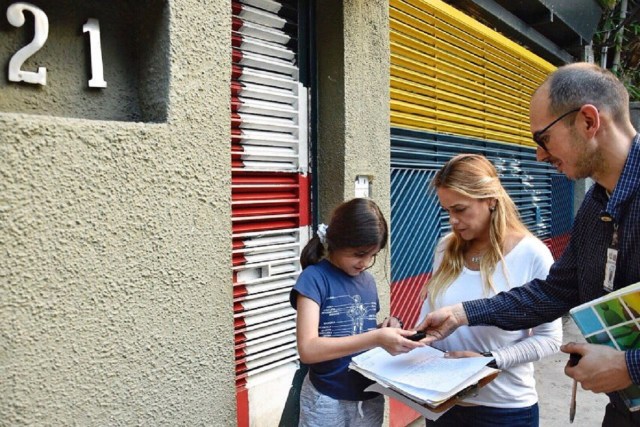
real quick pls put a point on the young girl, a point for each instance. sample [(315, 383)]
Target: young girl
[(488, 251), (337, 302)]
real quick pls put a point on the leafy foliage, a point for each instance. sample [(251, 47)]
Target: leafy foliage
[(607, 42)]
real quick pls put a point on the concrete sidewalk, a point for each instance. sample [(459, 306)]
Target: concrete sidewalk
[(554, 389)]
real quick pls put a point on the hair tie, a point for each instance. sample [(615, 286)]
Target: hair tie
[(322, 233)]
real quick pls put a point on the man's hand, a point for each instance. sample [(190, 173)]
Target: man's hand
[(443, 322), (601, 369)]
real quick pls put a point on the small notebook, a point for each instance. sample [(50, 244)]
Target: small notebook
[(614, 320)]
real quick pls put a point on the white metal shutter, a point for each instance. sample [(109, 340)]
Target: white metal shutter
[(270, 197)]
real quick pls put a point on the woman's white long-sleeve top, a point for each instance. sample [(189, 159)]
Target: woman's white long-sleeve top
[(514, 351)]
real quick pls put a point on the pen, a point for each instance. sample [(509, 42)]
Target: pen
[(572, 408), (574, 358)]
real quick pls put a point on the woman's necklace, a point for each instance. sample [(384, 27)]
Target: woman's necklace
[(478, 257)]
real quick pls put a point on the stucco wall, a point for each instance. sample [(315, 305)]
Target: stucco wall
[(353, 116), (116, 300)]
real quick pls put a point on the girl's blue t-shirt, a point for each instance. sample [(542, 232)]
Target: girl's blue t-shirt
[(348, 306)]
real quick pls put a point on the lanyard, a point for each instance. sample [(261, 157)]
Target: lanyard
[(612, 257)]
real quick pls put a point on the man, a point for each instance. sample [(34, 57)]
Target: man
[(581, 123)]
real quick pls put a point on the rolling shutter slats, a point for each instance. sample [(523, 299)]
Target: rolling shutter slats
[(269, 186), (457, 86), (449, 74)]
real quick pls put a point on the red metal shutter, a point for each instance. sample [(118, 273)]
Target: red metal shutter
[(270, 201)]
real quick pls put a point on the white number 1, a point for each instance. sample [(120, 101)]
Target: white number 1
[(97, 74)]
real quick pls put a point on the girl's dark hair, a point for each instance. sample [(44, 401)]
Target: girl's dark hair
[(355, 223)]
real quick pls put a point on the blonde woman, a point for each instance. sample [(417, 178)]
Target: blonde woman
[(488, 251)]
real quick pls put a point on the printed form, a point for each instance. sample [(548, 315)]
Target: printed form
[(423, 369)]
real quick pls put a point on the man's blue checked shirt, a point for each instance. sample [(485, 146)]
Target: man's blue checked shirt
[(578, 275)]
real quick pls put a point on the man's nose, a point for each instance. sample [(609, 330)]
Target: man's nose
[(541, 154)]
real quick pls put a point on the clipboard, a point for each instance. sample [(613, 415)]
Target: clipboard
[(428, 411)]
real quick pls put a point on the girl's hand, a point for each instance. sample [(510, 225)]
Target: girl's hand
[(394, 340), (391, 322)]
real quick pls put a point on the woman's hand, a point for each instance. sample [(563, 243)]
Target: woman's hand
[(461, 354), (394, 340)]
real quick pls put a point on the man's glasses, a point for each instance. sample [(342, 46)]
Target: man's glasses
[(537, 135)]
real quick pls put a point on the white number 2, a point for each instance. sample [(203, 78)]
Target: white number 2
[(15, 16), (97, 75)]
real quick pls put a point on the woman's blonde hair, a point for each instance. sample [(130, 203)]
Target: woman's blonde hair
[(473, 176)]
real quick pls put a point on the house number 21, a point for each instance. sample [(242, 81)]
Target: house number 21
[(16, 17)]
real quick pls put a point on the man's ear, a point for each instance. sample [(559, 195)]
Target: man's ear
[(591, 117)]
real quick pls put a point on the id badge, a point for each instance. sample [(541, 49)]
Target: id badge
[(610, 269)]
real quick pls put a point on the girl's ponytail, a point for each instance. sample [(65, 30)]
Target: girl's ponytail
[(312, 253)]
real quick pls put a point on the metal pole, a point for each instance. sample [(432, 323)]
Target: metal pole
[(619, 37)]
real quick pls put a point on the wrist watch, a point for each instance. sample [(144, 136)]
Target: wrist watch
[(493, 363)]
